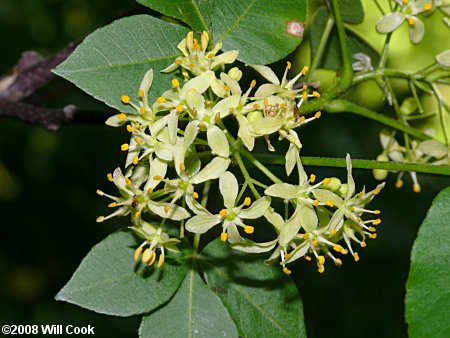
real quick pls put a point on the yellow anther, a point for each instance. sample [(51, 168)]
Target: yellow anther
[(140, 93), (150, 191), (112, 205), (266, 102), (137, 214), (256, 106), (210, 55), (405, 2), (179, 108), (157, 178), (100, 219), (318, 115), (372, 229), (191, 66), (147, 255), (223, 212), (376, 191), (138, 140), (302, 119), (307, 258), (195, 195), (321, 269), (135, 160), (337, 248), (161, 99), (305, 70), (287, 271), (428, 7), (137, 253), (289, 65), (223, 236), (109, 176), (329, 203), (182, 167), (166, 208), (127, 180), (292, 97), (315, 242), (175, 83), (205, 39), (373, 236), (416, 188), (160, 261), (227, 88), (287, 255), (326, 181), (305, 96), (376, 212), (411, 21), (152, 258), (399, 184), (332, 232), (312, 178), (363, 244), (376, 222), (316, 203), (344, 251), (125, 99), (253, 83), (359, 219), (305, 236), (249, 229), (124, 147), (316, 94), (321, 260), (283, 105), (356, 256), (178, 62), (247, 201), (337, 262), (99, 192), (142, 110), (122, 116), (130, 128)]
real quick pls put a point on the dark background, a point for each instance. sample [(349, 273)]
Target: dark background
[(48, 203)]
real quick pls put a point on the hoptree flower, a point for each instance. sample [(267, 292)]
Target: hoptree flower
[(134, 201), (232, 216), (363, 63), (154, 239), (409, 10), (197, 59)]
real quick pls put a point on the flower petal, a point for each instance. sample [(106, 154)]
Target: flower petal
[(267, 125), (417, 31), (196, 207), (218, 141), (267, 73), (233, 233), (212, 170), (274, 218), (282, 190), (229, 188), (190, 133), (174, 211), (244, 133), (290, 229), (257, 209), (298, 252), (350, 180), (390, 22), (324, 196), (157, 168), (225, 106), (200, 83), (308, 217), (254, 247), (224, 58), (200, 224)]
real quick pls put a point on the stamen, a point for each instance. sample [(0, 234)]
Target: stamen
[(125, 99), (109, 176), (326, 181), (223, 236), (318, 115), (372, 229), (137, 214), (316, 203), (332, 232), (247, 201), (315, 242), (305, 236), (137, 253), (147, 255), (312, 178), (321, 260), (376, 212), (329, 203), (399, 183), (338, 248), (321, 269), (363, 244), (428, 7), (127, 181), (161, 99), (140, 93), (308, 258), (373, 236), (122, 116), (287, 271), (160, 260), (223, 213), (112, 205), (249, 229), (175, 83), (100, 219), (376, 222), (152, 258), (124, 147), (356, 256), (316, 94), (376, 191), (338, 262), (138, 140), (158, 178), (411, 21), (182, 167), (227, 88), (166, 208), (288, 65), (305, 96), (405, 2), (178, 62), (99, 192), (130, 129), (253, 83), (256, 106), (135, 160), (304, 70), (195, 195), (416, 188)]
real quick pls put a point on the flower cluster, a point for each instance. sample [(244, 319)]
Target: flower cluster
[(190, 136), (409, 11)]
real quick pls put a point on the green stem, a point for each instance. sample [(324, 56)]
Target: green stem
[(321, 47), (261, 167), (360, 164), (246, 175), (342, 106), (441, 113), (384, 54)]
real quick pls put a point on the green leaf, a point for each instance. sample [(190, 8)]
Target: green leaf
[(352, 11), (257, 28), (262, 301), (194, 311), (109, 281), (196, 13), (112, 61), (428, 287), (331, 57)]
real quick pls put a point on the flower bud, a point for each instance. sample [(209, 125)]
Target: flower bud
[(333, 185), (235, 73), (381, 174), (408, 106), (343, 189), (254, 116)]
